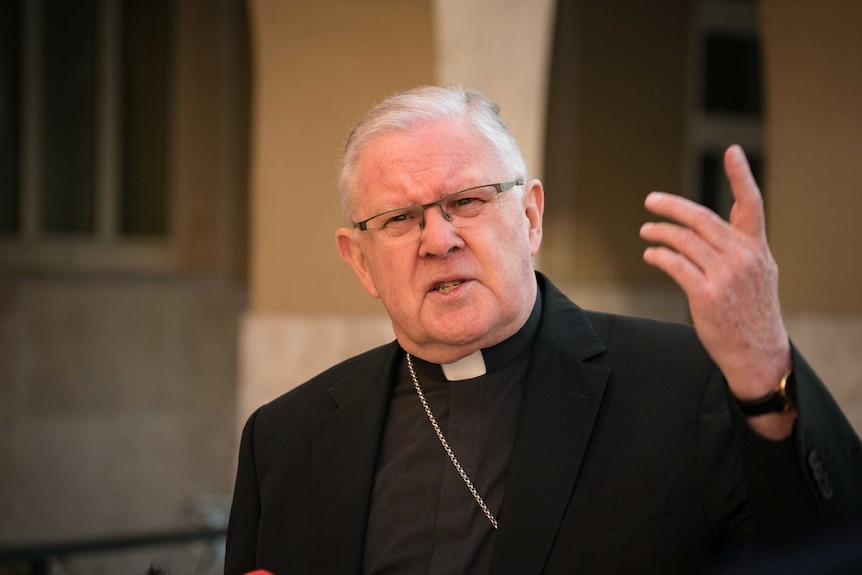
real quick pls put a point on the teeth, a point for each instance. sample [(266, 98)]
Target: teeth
[(446, 287)]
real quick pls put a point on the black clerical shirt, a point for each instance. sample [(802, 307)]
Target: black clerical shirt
[(423, 519)]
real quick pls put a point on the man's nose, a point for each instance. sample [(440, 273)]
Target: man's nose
[(438, 236)]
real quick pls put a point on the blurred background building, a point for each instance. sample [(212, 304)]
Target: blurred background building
[(168, 208)]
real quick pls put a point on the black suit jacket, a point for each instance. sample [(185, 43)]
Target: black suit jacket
[(629, 457)]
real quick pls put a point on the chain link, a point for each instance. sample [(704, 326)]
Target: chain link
[(445, 444)]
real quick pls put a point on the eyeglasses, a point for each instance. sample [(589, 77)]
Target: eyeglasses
[(405, 223)]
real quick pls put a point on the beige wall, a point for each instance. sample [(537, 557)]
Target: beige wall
[(503, 49), (318, 66), (814, 137), (114, 401)]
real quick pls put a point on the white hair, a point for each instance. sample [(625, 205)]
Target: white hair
[(405, 110)]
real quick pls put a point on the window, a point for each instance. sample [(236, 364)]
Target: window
[(85, 104), (9, 125), (727, 102)]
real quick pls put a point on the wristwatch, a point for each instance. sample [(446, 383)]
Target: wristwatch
[(780, 399)]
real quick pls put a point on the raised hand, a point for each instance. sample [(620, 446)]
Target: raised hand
[(729, 276)]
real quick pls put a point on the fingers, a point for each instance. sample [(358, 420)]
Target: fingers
[(746, 215), (696, 244), (687, 248), (689, 215), (679, 267)]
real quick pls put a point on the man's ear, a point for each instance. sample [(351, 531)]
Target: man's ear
[(534, 204), (351, 252)]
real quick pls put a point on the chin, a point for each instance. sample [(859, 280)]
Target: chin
[(466, 334)]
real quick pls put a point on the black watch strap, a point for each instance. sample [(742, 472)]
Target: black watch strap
[(782, 398)]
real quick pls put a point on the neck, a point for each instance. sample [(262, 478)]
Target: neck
[(448, 353)]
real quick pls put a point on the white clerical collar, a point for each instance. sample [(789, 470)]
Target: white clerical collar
[(465, 368)]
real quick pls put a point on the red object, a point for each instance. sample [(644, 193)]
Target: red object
[(259, 572)]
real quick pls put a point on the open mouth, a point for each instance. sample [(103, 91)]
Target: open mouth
[(446, 287)]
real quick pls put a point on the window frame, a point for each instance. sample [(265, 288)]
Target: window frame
[(710, 132), (105, 249)]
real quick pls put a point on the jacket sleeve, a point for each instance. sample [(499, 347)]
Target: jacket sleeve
[(241, 547), (811, 479)]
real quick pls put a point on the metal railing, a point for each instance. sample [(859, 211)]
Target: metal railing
[(37, 559)]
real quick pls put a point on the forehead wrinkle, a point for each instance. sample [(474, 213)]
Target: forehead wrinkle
[(395, 191), (402, 184)]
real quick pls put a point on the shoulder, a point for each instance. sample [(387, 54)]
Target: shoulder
[(643, 330), (635, 346), (564, 319), (658, 373), (645, 341)]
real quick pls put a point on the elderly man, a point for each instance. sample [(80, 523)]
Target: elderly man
[(506, 430)]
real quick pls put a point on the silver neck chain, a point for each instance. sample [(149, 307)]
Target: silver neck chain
[(445, 444)]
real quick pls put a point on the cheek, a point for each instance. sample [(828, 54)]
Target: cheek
[(512, 262), (511, 246), (392, 276)]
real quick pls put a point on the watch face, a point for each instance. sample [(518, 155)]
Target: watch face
[(787, 391)]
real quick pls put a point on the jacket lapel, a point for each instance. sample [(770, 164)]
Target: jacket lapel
[(561, 400), (344, 455)]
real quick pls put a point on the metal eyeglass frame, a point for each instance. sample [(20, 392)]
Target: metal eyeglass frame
[(500, 187)]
